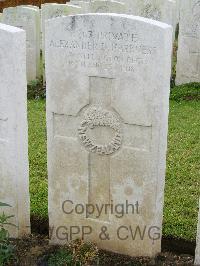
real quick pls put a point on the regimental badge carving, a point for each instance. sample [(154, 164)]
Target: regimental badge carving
[(102, 9), (98, 117), (58, 13), (151, 12)]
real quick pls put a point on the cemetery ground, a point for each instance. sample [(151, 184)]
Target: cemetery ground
[(181, 190)]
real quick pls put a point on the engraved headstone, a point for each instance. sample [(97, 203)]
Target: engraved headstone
[(188, 56), (162, 10), (197, 254), (28, 19), (14, 188), (106, 6), (107, 114)]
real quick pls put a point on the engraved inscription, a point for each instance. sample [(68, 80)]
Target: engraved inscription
[(191, 25), (98, 117), (109, 50), (195, 19)]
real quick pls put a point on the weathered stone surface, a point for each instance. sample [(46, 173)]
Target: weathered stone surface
[(49, 11), (102, 6), (162, 10), (178, 10), (31, 6), (38, 38), (28, 19), (108, 79), (188, 56), (197, 254), (14, 188), (85, 6)]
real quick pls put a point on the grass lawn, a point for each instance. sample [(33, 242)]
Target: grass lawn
[(183, 163)]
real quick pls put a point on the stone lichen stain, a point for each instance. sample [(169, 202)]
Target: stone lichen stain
[(128, 190)]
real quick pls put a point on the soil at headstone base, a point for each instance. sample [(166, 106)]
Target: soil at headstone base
[(35, 250), (170, 244)]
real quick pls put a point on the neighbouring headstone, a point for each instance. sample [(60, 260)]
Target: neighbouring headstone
[(1, 17), (197, 254), (31, 6), (28, 19), (177, 10), (108, 80), (14, 174), (39, 38), (162, 10), (170, 14), (85, 6), (50, 11), (107, 6), (188, 56)]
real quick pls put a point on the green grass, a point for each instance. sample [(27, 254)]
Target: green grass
[(37, 157), (183, 169), (61, 257), (186, 92)]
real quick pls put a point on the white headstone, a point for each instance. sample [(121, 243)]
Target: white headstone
[(197, 254), (188, 56), (31, 6), (162, 10), (14, 188), (27, 19), (39, 37), (178, 10), (85, 6), (108, 80), (1, 17), (106, 6)]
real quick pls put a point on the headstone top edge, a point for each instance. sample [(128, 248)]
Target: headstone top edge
[(109, 1), (9, 28), (56, 4), (125, 16), (29, 8), (71, 5), (20, 7)]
